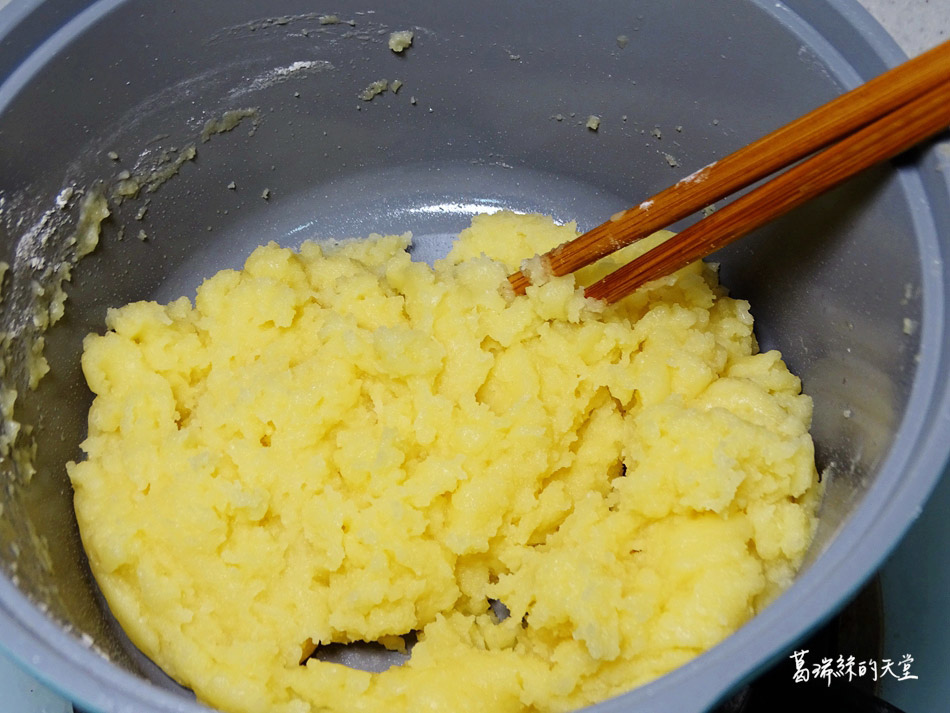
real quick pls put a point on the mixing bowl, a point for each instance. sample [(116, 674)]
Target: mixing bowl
[(241, 122)]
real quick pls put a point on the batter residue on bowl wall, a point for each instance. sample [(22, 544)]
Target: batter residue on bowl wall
[(559, 500)]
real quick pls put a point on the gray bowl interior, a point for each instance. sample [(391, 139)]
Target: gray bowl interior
[(490, 114)]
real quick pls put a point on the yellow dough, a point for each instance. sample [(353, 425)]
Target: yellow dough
[(341, 444)]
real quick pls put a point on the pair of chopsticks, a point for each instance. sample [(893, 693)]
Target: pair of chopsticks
[(868, 125)]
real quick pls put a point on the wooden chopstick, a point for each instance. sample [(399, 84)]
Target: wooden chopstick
[(783, 147), (881, 140)]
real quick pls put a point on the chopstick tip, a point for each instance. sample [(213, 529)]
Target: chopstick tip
[(519, 282)]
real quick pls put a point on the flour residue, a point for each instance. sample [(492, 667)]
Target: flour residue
[(697, 176), (300, 69)]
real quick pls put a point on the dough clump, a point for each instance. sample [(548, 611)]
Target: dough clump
[(559, 500)]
